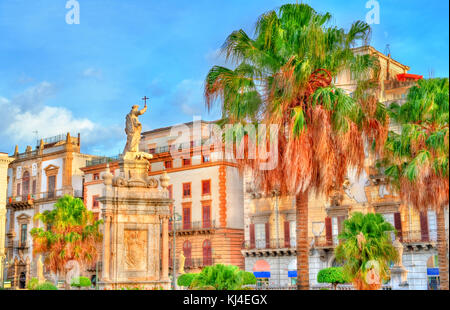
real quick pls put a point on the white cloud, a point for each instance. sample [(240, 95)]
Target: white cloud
[(93, 73), (49, 121), (33, 97), (19, 123)]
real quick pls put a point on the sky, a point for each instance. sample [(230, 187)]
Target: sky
[(83, 78)]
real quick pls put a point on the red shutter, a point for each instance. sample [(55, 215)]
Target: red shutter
[(398, 225), (206, 216), (267, 235), (287, 235), (252, 236), (329, 230), (424, 226), (187, 218)]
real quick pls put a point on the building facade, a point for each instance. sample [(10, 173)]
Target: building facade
[(270, 247), (4, 162), (36, 180)]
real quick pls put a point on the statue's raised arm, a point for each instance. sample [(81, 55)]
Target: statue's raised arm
[(143, 110)]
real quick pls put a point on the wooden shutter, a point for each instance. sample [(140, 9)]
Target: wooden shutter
[(252, 236), (206, 216), (424, 226), (329, 230), (398, 225), (187, 218), (287, 235), (267, 235)]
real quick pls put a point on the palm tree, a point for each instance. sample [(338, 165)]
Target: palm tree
[(71, 234), (416, 159), (284, 76), (366, 250)]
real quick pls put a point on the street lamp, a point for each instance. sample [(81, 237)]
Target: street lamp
[(176, 217)]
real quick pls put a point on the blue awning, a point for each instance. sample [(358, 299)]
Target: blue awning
[(292, 274), (262, 274), (433, 271)]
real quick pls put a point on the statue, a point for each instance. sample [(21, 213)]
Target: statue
[(133, 130), (181, 267), (40, 270), (399, 248)]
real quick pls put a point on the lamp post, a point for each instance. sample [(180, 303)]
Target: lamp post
[(174, 219)]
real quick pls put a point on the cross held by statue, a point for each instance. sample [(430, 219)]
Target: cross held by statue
[(145, 99)]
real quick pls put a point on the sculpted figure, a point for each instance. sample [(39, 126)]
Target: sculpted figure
[(133, 129)]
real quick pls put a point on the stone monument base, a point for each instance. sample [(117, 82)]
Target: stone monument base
[(129, 285)]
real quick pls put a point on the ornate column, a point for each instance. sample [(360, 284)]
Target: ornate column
[(106, 247), (165, 248)]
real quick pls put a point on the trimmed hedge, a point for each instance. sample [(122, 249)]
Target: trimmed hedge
[(333, 275), (249, 278), (47, 286), (186, 279), (80, 282)]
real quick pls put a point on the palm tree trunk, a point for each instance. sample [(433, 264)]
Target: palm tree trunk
[(301, 204), (442, 249)]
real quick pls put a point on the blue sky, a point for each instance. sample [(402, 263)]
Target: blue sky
[(56, 77)]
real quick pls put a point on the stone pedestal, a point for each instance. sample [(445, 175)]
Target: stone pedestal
[(135, 236), (399, 278)]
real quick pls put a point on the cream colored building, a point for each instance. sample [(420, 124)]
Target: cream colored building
[(37, 178), (4, 162)]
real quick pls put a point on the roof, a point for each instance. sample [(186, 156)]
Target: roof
[(170, 127)]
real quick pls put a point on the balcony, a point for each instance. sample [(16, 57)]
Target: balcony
[(263, 247), (186, 228), (102, 160), (395, 84), (27, 201), (192, 263), (21, 245)]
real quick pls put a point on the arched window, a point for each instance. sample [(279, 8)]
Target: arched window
[(207, 253), (187, 251), (25, 184)]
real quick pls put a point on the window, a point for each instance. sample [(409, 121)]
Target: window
[(260, 235), (95, 202), (51, 186), (206, 216), (187, 217), (152, 151), (33, 189), (186, 161), (96, 176), (187, 250), (207, 253), (168, 164), (18, 189), (26, 184), (23, 233), (293, 234), (206, 187), (206, 158), (186, 190)]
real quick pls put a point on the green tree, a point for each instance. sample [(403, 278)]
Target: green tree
[(332, 275), (416, 159), (283, 75), (72, 235), (366, 250), (220, 277)]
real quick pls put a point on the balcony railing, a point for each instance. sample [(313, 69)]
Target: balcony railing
[(46, 195), (269, 244), (102, 160), (197, 262), (193, 226), (21, 245)]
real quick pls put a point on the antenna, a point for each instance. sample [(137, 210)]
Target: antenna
[(387, 50)]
